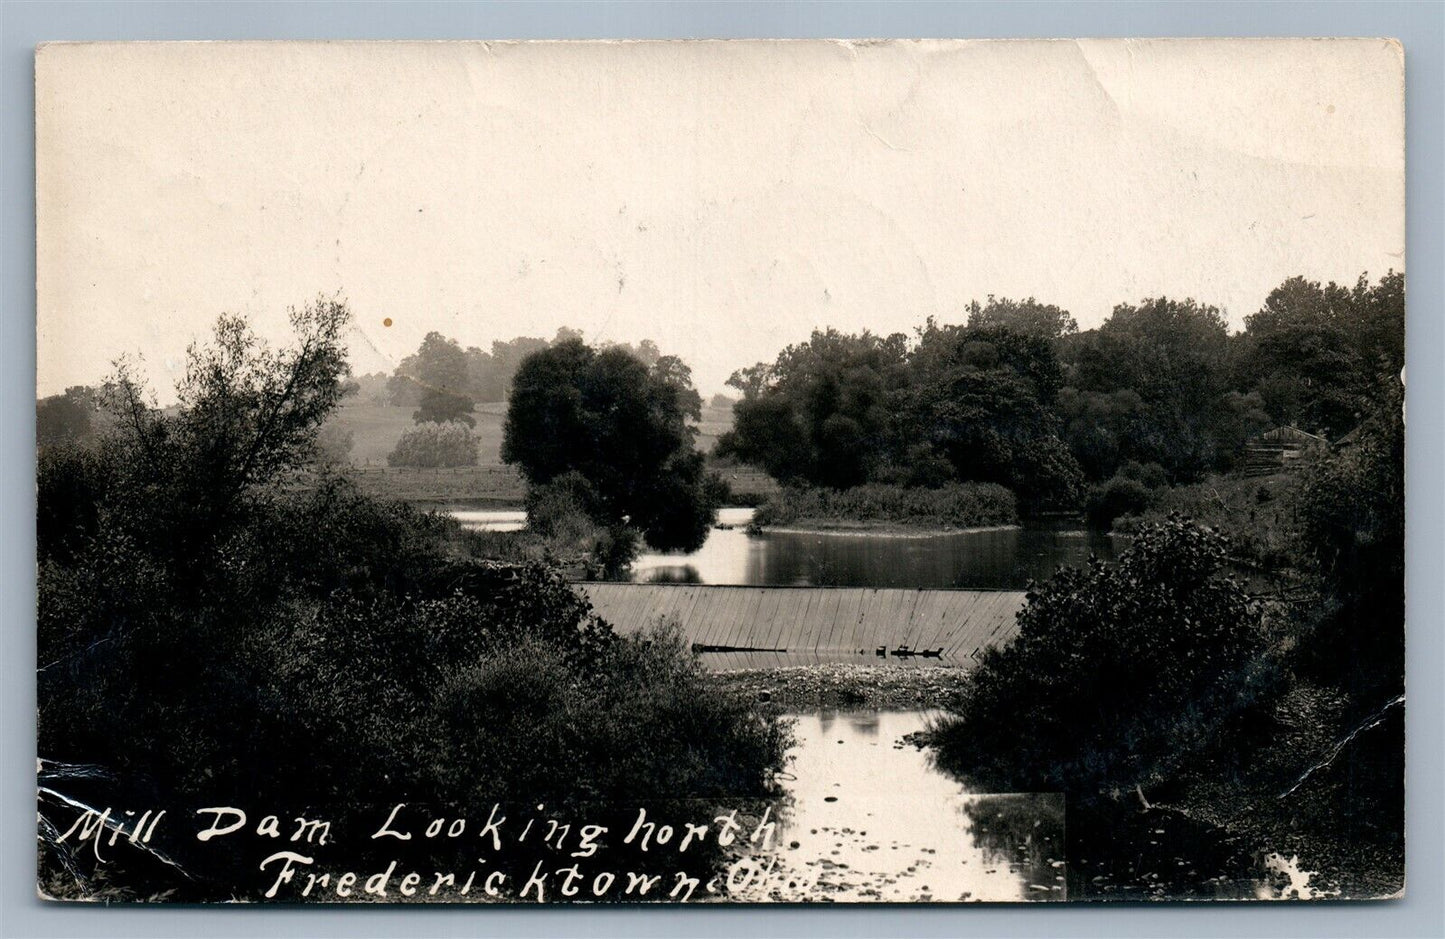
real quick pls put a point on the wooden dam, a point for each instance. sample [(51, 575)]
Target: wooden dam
[(749, 627)]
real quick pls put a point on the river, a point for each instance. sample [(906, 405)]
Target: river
[(995, 558), (867, 816)]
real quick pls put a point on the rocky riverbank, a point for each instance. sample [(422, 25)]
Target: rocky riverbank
[(842, 685)]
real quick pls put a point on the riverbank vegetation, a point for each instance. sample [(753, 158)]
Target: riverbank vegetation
[(877, 505), (1160, 394), (223, 622), (1248, 672)]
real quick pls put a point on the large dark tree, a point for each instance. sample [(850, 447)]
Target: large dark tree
[(822, 412), (1156, 374), (623, 428), (972, 403)]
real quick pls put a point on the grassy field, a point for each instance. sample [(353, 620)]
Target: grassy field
[(375, 429), (494, 485)]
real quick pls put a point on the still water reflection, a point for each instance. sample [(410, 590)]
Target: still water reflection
[(1002, 558), (491, 519), (867, 817)]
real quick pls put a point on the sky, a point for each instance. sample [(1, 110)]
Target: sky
[(723, 199)]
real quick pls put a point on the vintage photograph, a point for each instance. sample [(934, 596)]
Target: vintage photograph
[(720, 471)]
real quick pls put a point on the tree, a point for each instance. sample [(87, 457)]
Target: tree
[(434, 445), (334, 443), (441, 372), (65, 418), (982, 397), (1025, 317), (1315, 353), (1174, 355), (822, 412), (622, 427)]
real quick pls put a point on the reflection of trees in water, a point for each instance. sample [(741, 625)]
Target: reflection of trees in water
[(682, 574), (1024, 831), (864, 723)]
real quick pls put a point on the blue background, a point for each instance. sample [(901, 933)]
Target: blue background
[(1421, 26)]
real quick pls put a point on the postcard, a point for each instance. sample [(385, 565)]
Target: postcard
[(720, 471)]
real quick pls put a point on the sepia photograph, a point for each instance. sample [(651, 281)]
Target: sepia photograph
[(720, 472)]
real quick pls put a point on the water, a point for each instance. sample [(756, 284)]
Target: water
[(1002, 558), (491, 519), (867, 817)]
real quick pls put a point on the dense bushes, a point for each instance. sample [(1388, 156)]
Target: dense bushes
[(1131, 491), (956, 505), (1117, 673), (212, 633), (432, 446), (562, 513)]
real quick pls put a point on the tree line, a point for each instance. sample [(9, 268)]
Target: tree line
[(1020, 396)]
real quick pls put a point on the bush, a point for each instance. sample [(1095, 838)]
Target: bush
[(1119, 496), (432, 446), (212, 633), (561, 514), (957, 505), (1117, 674)]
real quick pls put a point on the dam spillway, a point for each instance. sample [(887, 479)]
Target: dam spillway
[(748, 627)]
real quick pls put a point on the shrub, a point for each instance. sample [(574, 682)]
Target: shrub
[(1117, 673), (1119, 496), (432, 446), (334, 443), (957, 505), (212, 633), (560, 512)]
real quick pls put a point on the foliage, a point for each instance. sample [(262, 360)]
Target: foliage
[(622, 427), (1259, 513), (1351, 510), (436, 377), (1117, 673), (820, 413), (436, 445), (333, 443), (481, 375), (1024, 317), (562, 512), (1148, 385), (646, 689), (66, 418), (1314, 353), (1118, 496), (955, 505), (982, 397), (214, 634), (970, 404), (1165, 382)]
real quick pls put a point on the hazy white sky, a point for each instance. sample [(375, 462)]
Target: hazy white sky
[(722, 199)]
